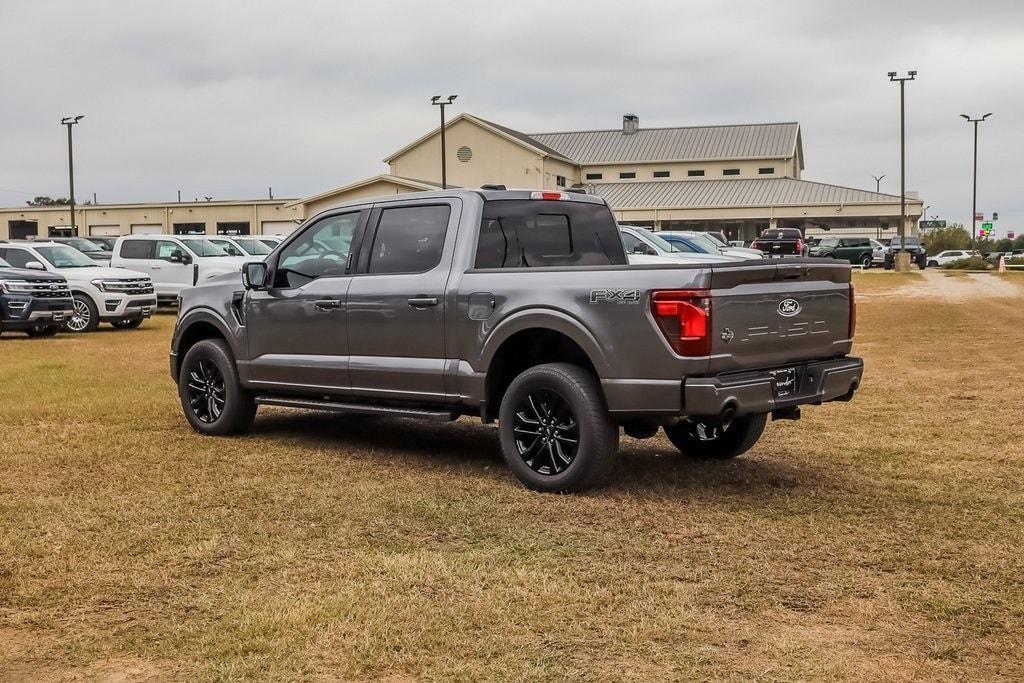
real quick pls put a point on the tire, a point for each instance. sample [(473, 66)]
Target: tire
[(703, 441), (933, 264), (214, 402), (865, 262), (42, 331), (556, 433), (126, 324), (85, 317)]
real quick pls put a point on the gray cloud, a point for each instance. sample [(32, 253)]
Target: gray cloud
[(226, 98)]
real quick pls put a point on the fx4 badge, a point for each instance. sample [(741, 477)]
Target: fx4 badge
[(789, 307), (617, 296)]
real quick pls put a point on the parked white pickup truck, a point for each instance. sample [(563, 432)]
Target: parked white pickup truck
[(174, 262)]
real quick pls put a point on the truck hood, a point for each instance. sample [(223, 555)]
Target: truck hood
[(743, 252), (26, 274), (666, 260), (100, 273)]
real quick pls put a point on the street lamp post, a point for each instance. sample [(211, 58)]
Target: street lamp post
[(70, 121), (436, 99), (878, 182), (901, 229), (974, 190)]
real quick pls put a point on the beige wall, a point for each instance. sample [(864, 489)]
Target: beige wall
[(380, 188), (495, 159), (712, 170), (122, 217), (556, 167)]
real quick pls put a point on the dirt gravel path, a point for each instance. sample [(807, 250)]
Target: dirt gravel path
[(961, 287)]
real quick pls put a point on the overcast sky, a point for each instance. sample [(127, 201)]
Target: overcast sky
[(226, 98)]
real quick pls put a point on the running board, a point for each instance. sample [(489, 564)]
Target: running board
[(363, 408)]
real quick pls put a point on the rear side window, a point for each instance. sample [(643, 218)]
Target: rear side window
[(518, 233), (409, 239), (17, 257), (137, 248)]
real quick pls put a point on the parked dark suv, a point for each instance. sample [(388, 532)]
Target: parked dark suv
[(32, 301), (856, 250)]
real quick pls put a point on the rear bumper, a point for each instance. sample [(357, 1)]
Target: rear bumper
[(755, 392)]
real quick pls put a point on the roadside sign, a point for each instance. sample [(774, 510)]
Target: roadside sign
[(927, 225), (1010, 235), (979, 216), (987, 226)]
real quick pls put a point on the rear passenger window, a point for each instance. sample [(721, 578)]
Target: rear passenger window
[(518, 233), (409, 239), (137, 248)]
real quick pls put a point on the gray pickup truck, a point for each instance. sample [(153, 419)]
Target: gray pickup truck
[(517, 306)]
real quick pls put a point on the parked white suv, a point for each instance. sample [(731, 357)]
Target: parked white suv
[(123, 298), (950, 255), (175, 262)]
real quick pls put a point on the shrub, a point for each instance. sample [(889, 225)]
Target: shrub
[(973, 263)]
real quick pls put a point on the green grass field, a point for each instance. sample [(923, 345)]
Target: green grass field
[(880, 539)]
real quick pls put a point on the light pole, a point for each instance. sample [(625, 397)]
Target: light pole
[(70, 121), (974, 191), (901, 228), (436, 99), (878, 182)]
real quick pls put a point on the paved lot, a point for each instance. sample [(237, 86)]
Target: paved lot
[(879, 539)]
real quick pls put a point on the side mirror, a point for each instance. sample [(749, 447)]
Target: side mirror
[(178, 256), (254, 275), (35, 265)]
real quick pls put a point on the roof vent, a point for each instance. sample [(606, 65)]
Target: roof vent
[(630, 124)]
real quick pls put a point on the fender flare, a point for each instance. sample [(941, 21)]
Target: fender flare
[(546, 319), (202, 315)]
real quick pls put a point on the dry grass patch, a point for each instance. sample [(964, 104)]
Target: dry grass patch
[(878, 539)]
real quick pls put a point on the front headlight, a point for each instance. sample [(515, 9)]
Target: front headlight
[(98, 284)]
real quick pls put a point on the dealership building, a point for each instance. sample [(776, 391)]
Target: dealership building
[(739, 179)]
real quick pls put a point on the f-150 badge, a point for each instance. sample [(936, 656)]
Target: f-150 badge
[(615, 296)]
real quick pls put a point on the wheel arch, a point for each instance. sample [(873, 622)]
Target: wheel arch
[(194, 328), (533, 338)]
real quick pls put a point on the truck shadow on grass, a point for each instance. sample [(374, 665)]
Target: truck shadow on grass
[(652, 465)]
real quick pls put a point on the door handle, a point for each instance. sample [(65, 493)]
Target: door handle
[(327, 305), (423, 301)]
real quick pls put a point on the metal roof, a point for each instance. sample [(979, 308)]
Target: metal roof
[(527, 139), (697, 143), (733, 193)]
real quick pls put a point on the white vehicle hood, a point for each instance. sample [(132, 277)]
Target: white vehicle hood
[(645, 259), (743, 252), (99, 273)]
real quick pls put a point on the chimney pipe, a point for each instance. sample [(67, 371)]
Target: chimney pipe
[(630, 124)]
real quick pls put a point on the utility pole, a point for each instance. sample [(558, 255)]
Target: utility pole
[(901, 228), (974, 182), (436, 99), (70, 121)]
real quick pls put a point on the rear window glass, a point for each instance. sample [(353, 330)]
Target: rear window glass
[(137, 249), (781, 234), (518, 233)]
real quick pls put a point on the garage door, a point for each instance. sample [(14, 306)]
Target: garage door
[(278, 227), (105, 230), (147, 228)]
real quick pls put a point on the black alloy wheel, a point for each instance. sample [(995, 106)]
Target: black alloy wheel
[(546, 432), (206, 391)]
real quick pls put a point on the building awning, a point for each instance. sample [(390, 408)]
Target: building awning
[(734, 193)]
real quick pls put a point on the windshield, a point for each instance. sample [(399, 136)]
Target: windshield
[(717, 237), (104, 243), (61, 256), (84, 245), (705, 241), (908, 241), (659, 242), (203, 247), (253, 247)]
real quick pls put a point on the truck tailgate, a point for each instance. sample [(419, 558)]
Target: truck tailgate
[(766, 315)]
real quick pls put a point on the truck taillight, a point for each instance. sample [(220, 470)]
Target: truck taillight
[(853, 312), (684, 317), (799, 246), (753, 245)]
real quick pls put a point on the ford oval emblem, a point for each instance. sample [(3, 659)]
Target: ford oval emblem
[(789, 307)]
